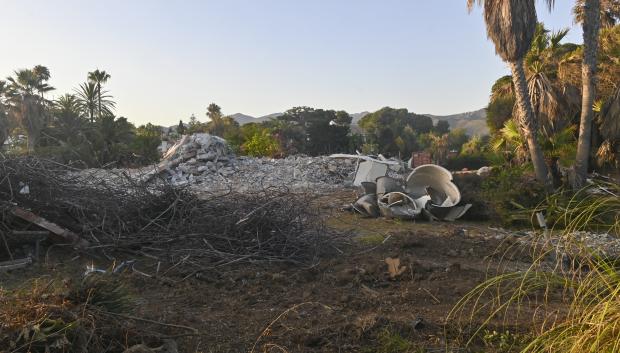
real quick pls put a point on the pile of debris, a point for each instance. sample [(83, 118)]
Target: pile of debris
[(158, 220), (427, 192), (197, 155), (293, 172), (208, 163)]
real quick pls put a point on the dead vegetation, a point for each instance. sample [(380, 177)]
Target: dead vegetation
[(171, 225), (92, 316)]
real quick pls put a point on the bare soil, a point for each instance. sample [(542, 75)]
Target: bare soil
[(342, 304)]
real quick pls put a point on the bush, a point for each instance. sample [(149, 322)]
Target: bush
[(511, 194), (474, 161), (470, 185), (261, 144)]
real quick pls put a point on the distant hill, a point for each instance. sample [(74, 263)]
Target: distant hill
[(243, 119), (357, 117), (474, 123)]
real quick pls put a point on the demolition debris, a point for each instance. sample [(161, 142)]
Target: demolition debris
[(428, 192), (168, 224)]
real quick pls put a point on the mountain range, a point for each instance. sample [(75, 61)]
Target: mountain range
[(244, 119), (473, 122)]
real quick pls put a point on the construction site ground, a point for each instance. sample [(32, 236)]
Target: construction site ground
[(347, 302)]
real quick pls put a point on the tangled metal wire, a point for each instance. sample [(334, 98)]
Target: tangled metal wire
[(116, 211)]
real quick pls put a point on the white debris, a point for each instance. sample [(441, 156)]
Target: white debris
[(207, 162)]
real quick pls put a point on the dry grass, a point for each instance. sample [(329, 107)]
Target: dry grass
[(588, 283)]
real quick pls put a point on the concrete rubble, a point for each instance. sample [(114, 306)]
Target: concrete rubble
[(197, 155), (206, 162), (428, 192)]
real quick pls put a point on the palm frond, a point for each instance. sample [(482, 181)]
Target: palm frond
[(609, 117), (511, 25), (557, 36)]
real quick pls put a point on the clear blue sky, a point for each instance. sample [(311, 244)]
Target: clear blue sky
[(169, 59)]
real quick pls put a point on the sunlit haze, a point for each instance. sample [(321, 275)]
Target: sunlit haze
[(171, 59)]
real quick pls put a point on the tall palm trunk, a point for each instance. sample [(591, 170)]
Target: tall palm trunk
[(4, 126), (591, 26), (32, 117), (99, 98), (527, 122)]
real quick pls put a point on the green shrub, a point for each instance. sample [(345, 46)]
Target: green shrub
[(473, 161), (512, 192), (261, 144)]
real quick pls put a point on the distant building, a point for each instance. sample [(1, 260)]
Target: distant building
[(420, 158)]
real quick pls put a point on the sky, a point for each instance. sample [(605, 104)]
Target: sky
[(170, 59)]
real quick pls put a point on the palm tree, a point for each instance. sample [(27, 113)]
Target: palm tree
[(511, 25), (439, 147), (42, 75), (99, 77), (591, 27), (91, 99), (24, 82), (31, 113), (217, 123), (4, 121), (510, 142), (87, 96), (549, 106), (67, 103), (24, 105), (609, 11), (69, 124), (609, 126)]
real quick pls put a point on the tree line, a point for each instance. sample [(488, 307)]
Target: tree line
[(556, 91), (559, 107), (81, 126), (76, 127)]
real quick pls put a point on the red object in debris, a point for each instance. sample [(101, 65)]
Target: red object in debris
[(420, 158)]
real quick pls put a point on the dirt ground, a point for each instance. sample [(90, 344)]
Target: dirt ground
[(347, 302)]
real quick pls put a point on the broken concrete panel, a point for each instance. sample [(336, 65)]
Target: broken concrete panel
[(457, 212), (369, 187), (422, 201), (386, 184), (433, 184), (369, 171), (367, 204), (429, 193), (398, 205), (436, 179)]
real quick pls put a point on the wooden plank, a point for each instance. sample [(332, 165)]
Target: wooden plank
[(15, 264), (52, 227), (31, 232)]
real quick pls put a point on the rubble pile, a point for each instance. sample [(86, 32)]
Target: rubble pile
[(198, 155), (207, 162), (294, 172)]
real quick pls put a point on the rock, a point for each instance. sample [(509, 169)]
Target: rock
[(484, 171)]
